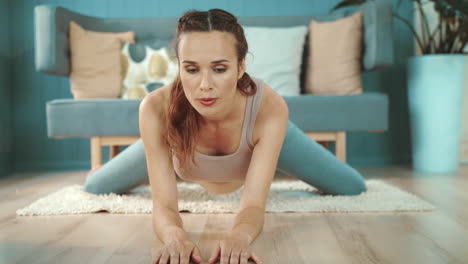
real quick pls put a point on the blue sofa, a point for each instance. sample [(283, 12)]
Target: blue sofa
[(114, 122)]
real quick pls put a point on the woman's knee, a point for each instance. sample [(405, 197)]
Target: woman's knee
[(358, 188), (93, 188), (354, 185)]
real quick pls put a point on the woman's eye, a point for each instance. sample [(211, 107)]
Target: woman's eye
[(218, 70)]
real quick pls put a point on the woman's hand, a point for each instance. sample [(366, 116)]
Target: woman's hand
[(184, 249), (234, 249)]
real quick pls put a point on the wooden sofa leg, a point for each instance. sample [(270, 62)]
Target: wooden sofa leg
[(96, 152), (113, 151), (325, 144), (340, 145)]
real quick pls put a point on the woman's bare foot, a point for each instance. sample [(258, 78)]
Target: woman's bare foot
[(93, 171)]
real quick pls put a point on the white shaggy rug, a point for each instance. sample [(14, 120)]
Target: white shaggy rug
[(284, 196)]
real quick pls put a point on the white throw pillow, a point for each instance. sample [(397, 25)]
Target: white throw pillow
[(275, 56)]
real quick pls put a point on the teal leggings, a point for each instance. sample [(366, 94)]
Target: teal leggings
[(300, 157)]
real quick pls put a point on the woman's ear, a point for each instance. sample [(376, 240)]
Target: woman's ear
[(241, 69)]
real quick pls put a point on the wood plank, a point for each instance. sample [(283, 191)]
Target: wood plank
[(439, 236)]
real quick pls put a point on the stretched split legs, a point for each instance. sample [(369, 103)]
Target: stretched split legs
[(307, 160), (300, 156)]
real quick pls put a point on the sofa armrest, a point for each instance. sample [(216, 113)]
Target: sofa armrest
[(52, 49), (378, 34)]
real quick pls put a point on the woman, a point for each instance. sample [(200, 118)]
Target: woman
[(239, 137)]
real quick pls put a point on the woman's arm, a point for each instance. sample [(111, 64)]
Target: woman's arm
[(248, 224), (272, 123), (168, 225), (167, 222)]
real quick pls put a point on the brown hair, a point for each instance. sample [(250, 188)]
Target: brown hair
[(182, 122)]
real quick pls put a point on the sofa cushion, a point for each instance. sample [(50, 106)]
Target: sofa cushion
[(275, 56), (350, 112), (117, 117), (96, 62), (335, 51)]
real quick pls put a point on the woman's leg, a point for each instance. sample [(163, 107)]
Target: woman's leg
[(300, 156), (120, 174), (307, 160)]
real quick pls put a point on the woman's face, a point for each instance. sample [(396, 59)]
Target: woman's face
[(208, 69)]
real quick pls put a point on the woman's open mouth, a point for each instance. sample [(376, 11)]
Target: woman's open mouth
[(208, 102)]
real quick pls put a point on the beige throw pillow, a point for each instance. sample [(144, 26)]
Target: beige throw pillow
[(96, 69), (335, 51)]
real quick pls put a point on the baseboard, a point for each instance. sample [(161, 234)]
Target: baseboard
[(71, 165), (6, 163), (377, 162)]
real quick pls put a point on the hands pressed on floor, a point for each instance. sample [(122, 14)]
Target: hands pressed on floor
[(234, 249), (178, 250)]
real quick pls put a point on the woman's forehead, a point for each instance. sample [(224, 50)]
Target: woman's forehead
[(207, 45)]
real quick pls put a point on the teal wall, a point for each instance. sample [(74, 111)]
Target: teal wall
[(29, 90), (6, 121)]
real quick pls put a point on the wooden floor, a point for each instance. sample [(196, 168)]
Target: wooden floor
[(440, 236)]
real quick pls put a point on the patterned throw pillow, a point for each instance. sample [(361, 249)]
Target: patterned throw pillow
[(146, 67)]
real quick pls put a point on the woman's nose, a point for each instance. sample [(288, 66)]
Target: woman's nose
[(205, 83)]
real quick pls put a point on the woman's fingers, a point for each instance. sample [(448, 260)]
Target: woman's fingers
[(156, 258), (178, 251), (175, 258), (234, 257), (225, 255), (196, 255), (215, 256), (256, 258), (228, 256), (244, 257), (164, 258)]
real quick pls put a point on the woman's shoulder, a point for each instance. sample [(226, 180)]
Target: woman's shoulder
[(272, 102), (159, 99), (272, 106)]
